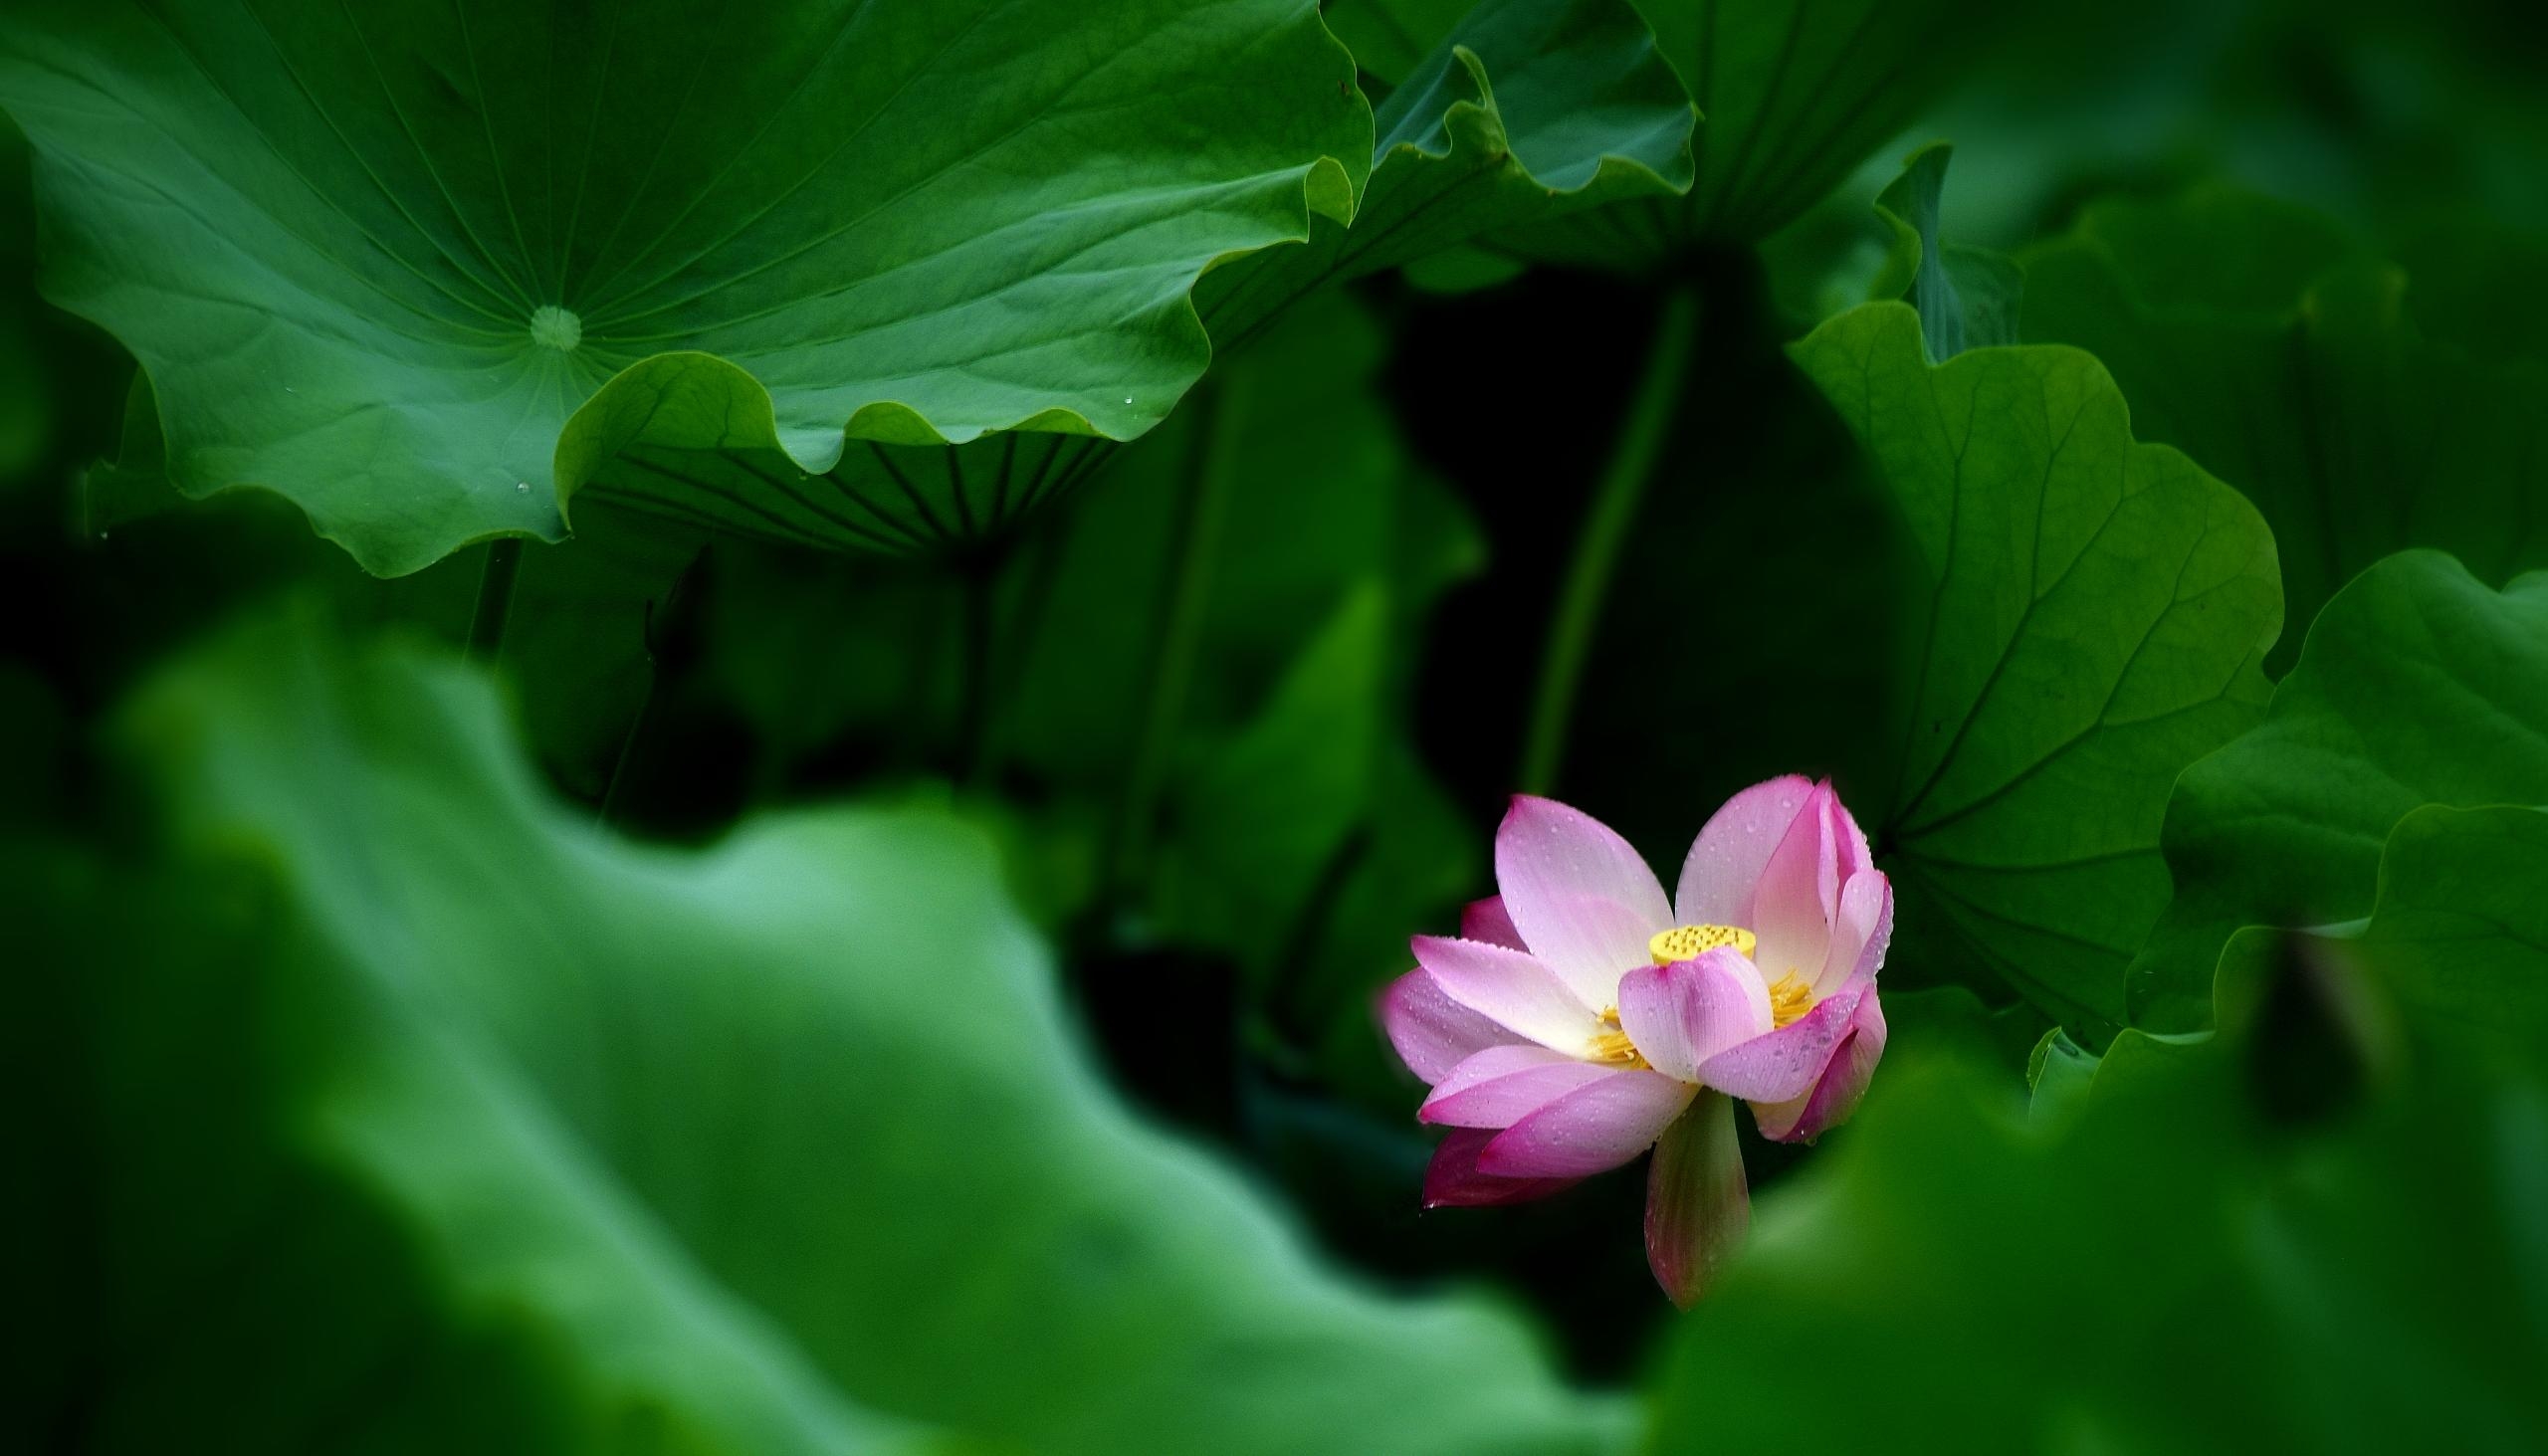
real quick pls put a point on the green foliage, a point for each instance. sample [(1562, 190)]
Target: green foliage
[(426, 271), (2458, 932), (553, 1130), (1967, 296), (2418, 685), (1526, 109), (1023, 588), (2089, 620), (1794, 94), (2263, 341), (2166, 1270)]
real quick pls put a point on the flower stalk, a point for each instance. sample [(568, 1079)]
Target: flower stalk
[(495, 599), (1606, 527)]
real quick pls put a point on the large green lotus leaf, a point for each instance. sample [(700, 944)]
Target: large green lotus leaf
[(2090, 619), (2419, 685), (424, 268), (1525, 109), (2169, 1270), (2260, 339), (1796, 95), (684, 1151), (2457, 941)]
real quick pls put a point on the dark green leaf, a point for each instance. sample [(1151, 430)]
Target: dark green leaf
[(1793, 95), (2418, 685), (1525, 110), (2090, 620), (2262, 340), (2458, 933)]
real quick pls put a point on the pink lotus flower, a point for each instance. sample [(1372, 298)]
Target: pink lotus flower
[(1581, 1019)]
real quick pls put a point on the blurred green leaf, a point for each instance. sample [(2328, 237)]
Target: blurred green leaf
[(431, 272), (2162, 1270), (537, 1140), (2263, 341), (2472, 283), (2418, 685), (2091, 619)]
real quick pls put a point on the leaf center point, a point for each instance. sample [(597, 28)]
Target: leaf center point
[(555, 328)]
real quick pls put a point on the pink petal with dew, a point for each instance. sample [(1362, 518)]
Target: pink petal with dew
[(1485, 920), (1681, 1014), (1452, 1179), (1579, 895), (1501, 1095), (1725, 862), (1860, 934), (1799, 894), (1516, 991), (1432, 1032), (1494, 1061), (1855, 854), (1843, 1082), (1697, 1203), (1594, 1127), (1786, 1063)]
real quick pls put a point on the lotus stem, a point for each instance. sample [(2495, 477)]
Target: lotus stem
[(1197, 540), (495, 599), (1606, 527)]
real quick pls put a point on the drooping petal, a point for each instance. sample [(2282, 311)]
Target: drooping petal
[(1579, 895), (1485, 920), (1799, 894), (1451, 1179), (1432, 1032), (1786, 1063), (1502, 1096), (1725, 862), (1516, 991), (1835, 1094), (1860, 932), (1681, 1014), (1591, 1130), (1697, 1203)]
